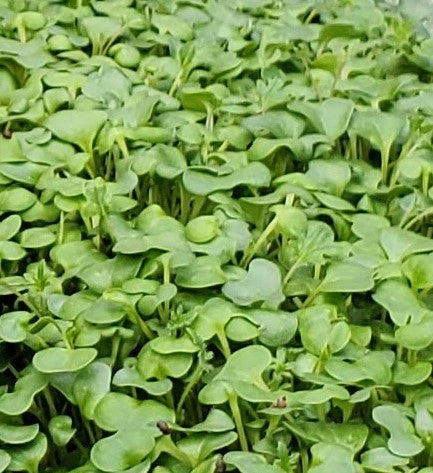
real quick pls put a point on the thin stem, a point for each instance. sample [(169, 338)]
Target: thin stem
[(115, 344), (184, 205), (166, 280), (234, 406), (89, 430), (141, 323), (167, 445), (425, 181), (50, 402), (225, 347), (418, 218), (311, 296), (311, 15), (293, 268), (177, 81), (273, 424), (384, 164), (61, 233), (197, 206), (193, 380), (249, 254)]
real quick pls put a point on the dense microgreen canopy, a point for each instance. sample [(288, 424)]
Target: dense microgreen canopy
[(216, 229)]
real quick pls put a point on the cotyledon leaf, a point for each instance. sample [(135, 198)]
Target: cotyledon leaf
[(58, 360), (261, 283), (403, 440), (77, 126), (199, 182), (21, 398), (90, 386)]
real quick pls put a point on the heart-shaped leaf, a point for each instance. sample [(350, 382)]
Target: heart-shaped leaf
[(261, 283), (61, 430), (402, 441), (59, 360)]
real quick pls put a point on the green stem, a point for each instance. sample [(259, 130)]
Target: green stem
[(418, 218), (89, 430), (115, 344), (166, 280), (311, 296), (61, 233), (22, 31), (293, 268), (184, 205), (311, 15), (193, 380), (273, 424), (225, 347), (167, 445), (177, 81), (425, 181), (411, 357), (321, 412), (384, 164), (234, 406), (141, 323), (50, 402), (249, 254), (197, 206)]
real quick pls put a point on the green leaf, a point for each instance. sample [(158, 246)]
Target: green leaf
[(37, 238), (9, 227), (247, 462), (402, 441), (202, 229), (329, 175), (5, 459), (399, 243), (399, 300), (375, 366), (78, 127), (135, 425), (347, 277), (380, 459), (277, 328), (261, 283), (204, 271), (201, 182), (90, 386), (14, 326), (319, 115), (11, 251), (416, 335), (21, 398), (130, 376), (58, 360), (28, 456), (381, 129), (412, 374), (61, 430), (318, 332), (419, 270), (243, 372), (170, 162), (16, 199), (331, 457), (16, 434)]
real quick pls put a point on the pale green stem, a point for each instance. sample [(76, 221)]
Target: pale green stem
[(418, 218), (193, 380), (224, 343), (249, 254), (234, 406)]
